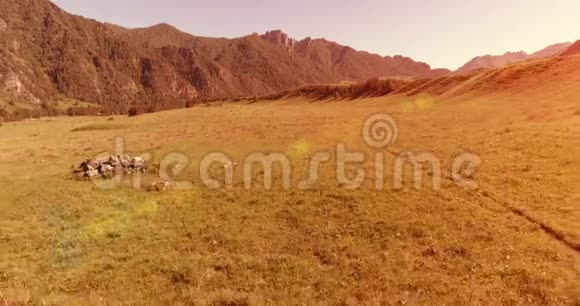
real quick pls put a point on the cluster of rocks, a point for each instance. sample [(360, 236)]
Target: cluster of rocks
[(110, 166)]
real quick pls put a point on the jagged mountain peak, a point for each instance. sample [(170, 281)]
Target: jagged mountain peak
[(279, 38)]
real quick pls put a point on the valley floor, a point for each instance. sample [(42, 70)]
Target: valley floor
[(515, 239)]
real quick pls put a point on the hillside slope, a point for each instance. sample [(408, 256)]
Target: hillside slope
[(573, 49), (541, 78), (552, 50), (46, 53), (497, 61), (492, 61)]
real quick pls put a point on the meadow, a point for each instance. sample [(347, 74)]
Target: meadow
[(515, 239)]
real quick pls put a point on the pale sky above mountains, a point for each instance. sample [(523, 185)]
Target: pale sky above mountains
[(442, 33)]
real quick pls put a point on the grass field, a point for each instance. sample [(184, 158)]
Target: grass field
[(513, 240)]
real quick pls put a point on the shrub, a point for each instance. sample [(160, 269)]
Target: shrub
[(133, 111)]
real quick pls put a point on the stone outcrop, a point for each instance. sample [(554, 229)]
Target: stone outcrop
[(279, 39)]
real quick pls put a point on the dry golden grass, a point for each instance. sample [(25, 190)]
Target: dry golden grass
[(511, 241)]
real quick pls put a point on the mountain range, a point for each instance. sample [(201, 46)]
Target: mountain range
[(496, 61), (47, 54), (52, 61)]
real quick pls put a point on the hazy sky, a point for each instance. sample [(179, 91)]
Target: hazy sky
[(443, 33)]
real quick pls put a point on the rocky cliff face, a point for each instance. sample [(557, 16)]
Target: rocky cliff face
[(279, 39)]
